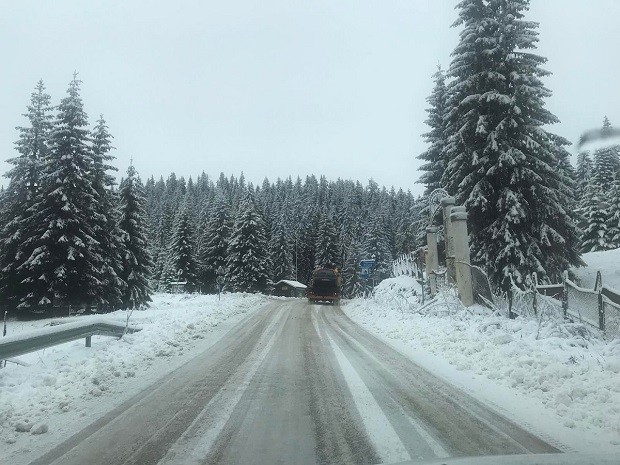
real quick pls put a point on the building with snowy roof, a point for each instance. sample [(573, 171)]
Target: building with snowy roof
[(289, 288)]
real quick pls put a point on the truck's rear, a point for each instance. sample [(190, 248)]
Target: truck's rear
[(324, 286)]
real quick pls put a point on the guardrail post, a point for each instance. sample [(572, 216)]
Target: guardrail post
[(510, 314), (88, 341)]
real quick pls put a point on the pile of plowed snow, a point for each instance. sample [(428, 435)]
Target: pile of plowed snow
[(70, 380), (569, 369)]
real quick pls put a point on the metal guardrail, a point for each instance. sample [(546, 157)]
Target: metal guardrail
[(20, 344)]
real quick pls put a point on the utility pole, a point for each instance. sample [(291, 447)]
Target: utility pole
[(295, 257)]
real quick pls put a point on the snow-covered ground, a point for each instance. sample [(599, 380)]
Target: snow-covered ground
[(559, 379), (607, 262), (65, 387), (556, 377)]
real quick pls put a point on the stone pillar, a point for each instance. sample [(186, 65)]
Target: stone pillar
[(447, 203), (432, 257), (461, 256)]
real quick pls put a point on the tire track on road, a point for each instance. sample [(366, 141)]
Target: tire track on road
[(196, 441), (463, 425), (158, 415)]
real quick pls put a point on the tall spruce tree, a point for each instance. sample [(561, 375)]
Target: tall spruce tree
[(583, 172), (164, 232), (23, 191), (595, 210), (182, 264), (502, 161), (568, 190), (327, 253), (215, 242), (66, 261), (248, 259), (105, 223), (136, 262), (306, 248), (352, 284), (606, 162), (376, 246), (435, 156), (613, 218), (281, 258)]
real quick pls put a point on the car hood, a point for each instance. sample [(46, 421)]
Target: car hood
[(528, 459)]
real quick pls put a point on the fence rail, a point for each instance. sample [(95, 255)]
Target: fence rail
[(409, 264), (20, 344), (598, 307)]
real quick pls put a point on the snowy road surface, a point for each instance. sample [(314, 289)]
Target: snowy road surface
[(296, 383)]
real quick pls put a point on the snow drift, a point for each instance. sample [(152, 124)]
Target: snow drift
[(572, 371)]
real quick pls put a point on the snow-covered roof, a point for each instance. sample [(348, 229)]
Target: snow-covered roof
[(292, 283)]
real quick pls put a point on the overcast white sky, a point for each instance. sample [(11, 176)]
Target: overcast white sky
[(279, 87)]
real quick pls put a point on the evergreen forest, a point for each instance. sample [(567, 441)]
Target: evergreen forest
[(70, 235)]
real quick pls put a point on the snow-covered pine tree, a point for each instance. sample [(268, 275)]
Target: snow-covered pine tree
[(136, 265), (405, 218), (215, 242), (605, 179), (375, 245), (435, 156), (501, 160), (167, 272), (66, 261), (182, 264), (568, 191), (306, 247), (327, 244), (463, 114), (595, 211), (23, 191), (583, 172), (613, 215), (105, 223), (248, 260), (164, 229), (606, 162), (406, 238), (352, 285), (281, 258)]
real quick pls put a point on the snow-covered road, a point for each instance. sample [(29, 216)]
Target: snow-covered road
[(296, 383)]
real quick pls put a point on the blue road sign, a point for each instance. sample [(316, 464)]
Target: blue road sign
[(367, 264)]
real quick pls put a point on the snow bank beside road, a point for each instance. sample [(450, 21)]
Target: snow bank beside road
[(575, 376), (69, 381)]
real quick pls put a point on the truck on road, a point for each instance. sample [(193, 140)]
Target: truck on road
[(325, 285)]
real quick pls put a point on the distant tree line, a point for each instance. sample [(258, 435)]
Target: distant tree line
[(279, 230)]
